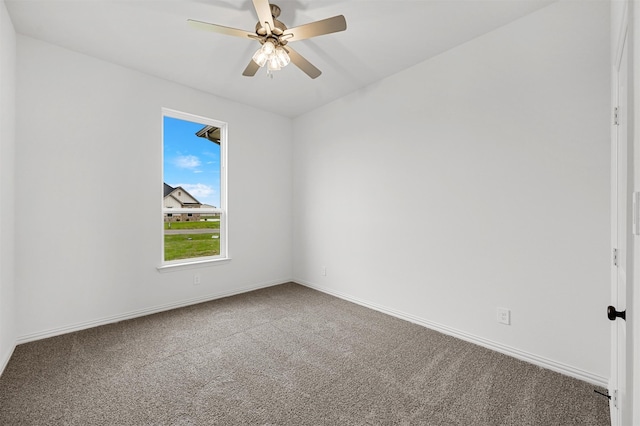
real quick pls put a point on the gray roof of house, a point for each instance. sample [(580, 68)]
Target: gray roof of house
[(167, 189), (210, 132)]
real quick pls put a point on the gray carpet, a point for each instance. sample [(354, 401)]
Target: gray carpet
[(286, 355)]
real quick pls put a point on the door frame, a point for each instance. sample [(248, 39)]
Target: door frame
[(633, 337), (621, 386)]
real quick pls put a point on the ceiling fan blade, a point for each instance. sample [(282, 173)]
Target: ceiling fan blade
[(251, 69), (318, 28), (220, 29), (264, 14), (302, 63)]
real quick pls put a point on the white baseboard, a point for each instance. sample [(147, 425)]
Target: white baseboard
[(540, 361), (142, 312), (4, 359)]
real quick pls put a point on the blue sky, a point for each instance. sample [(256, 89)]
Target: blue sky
[(191, 162)]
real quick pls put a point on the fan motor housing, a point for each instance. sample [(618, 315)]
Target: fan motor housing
[(279, 26), (278, 30)]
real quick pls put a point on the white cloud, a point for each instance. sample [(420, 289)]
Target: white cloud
[(199, 190), (187, 162), (197, 171)]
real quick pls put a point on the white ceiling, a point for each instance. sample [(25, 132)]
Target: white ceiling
[(152, 36)]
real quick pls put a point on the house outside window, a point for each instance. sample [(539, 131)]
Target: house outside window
[(194, 207)]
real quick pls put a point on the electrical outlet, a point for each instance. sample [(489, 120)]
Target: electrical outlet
[(196, 279), (504, 316), (324, 271)]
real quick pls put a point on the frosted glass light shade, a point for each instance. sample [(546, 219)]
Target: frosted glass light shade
[(268, 47), (273, 64), (282, 57), (260, 57)]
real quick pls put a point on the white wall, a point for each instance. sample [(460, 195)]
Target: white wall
[(7, 156), (475, 180), (89, 149)]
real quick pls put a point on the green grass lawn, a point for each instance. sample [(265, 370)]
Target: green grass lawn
[(186, 246), (193, 225)]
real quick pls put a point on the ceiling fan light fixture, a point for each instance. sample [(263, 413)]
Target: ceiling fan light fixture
[(275, 57)]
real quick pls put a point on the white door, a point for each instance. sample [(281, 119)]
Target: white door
[(621, 241)]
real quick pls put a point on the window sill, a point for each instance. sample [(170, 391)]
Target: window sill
[(192, 264)]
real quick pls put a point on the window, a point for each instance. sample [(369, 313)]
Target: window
[(194, 189)]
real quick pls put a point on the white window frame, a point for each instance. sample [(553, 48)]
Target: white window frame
[(222, 209)]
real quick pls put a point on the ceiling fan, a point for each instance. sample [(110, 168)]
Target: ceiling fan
[(274, 37)]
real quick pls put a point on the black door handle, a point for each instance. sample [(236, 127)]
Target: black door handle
[(612, 314)]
